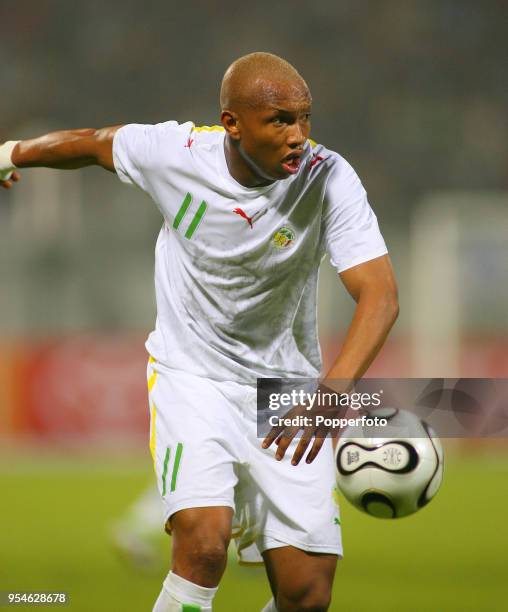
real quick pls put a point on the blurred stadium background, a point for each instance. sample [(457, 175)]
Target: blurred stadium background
[(414, 94)]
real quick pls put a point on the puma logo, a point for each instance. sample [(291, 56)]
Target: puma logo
[(243, 214), (250, 220), (315, 160)]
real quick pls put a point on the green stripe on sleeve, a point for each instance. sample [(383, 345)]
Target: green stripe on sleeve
[(191, 608), (178, 456), (196, 220), (165, 470), (183, 209)]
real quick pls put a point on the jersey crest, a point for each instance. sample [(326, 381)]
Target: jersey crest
[(284, 237)]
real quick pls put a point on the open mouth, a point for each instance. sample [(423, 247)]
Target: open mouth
[(291, 163)]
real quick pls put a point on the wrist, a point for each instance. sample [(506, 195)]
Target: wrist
[(6, 163)]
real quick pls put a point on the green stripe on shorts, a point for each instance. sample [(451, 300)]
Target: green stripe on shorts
[(190, 608), (178, 456), (165, 470)]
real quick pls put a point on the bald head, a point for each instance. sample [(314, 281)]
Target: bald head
[(260, 79)]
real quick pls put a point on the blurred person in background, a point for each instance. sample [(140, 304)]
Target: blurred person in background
[(136, 532)]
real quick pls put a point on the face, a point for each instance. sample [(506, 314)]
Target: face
[(270, 136)]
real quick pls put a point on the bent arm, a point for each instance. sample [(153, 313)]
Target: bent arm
[(373, 287), (67, 149)]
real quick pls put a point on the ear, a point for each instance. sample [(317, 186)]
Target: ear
[(231, 123)]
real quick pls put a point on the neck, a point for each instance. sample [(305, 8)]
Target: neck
[(239, 167)]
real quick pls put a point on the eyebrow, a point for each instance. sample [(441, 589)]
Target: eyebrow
[(288, 111)]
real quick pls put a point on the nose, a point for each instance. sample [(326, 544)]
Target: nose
[(296, 136)]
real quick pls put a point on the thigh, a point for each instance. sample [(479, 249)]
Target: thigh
[(300, 579), (299, 508), (189, 441)]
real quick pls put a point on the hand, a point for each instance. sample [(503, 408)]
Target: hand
[(14, 178), (312, 427)]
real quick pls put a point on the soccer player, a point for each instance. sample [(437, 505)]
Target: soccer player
[(250, 208)]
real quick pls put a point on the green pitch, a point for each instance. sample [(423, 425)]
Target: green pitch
[(54, 535)]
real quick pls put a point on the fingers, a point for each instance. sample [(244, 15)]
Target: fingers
[(283, 437), (316, 447), (273, 434), (14, 178), (284, 441), (302, 446)]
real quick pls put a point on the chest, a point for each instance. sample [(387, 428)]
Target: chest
[(210, 223)]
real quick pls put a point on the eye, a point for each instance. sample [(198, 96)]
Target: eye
[(277, 121)]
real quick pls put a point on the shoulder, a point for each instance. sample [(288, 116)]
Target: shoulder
[(341, 179), (342, 189), (325, 167), (329, 162), (207, 134), (150, 146), (181, 138), (146, 134)]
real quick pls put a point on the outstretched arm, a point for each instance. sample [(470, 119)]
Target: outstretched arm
[(65, 150)]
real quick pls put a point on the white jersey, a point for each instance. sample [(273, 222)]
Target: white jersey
[(236, 268)]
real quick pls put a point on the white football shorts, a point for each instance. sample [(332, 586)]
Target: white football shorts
[(206, 453)]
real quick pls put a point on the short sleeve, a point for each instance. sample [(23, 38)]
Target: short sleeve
[(351, 231), (140, 151)]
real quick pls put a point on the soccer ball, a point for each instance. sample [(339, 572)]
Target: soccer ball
[(389, 471)]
